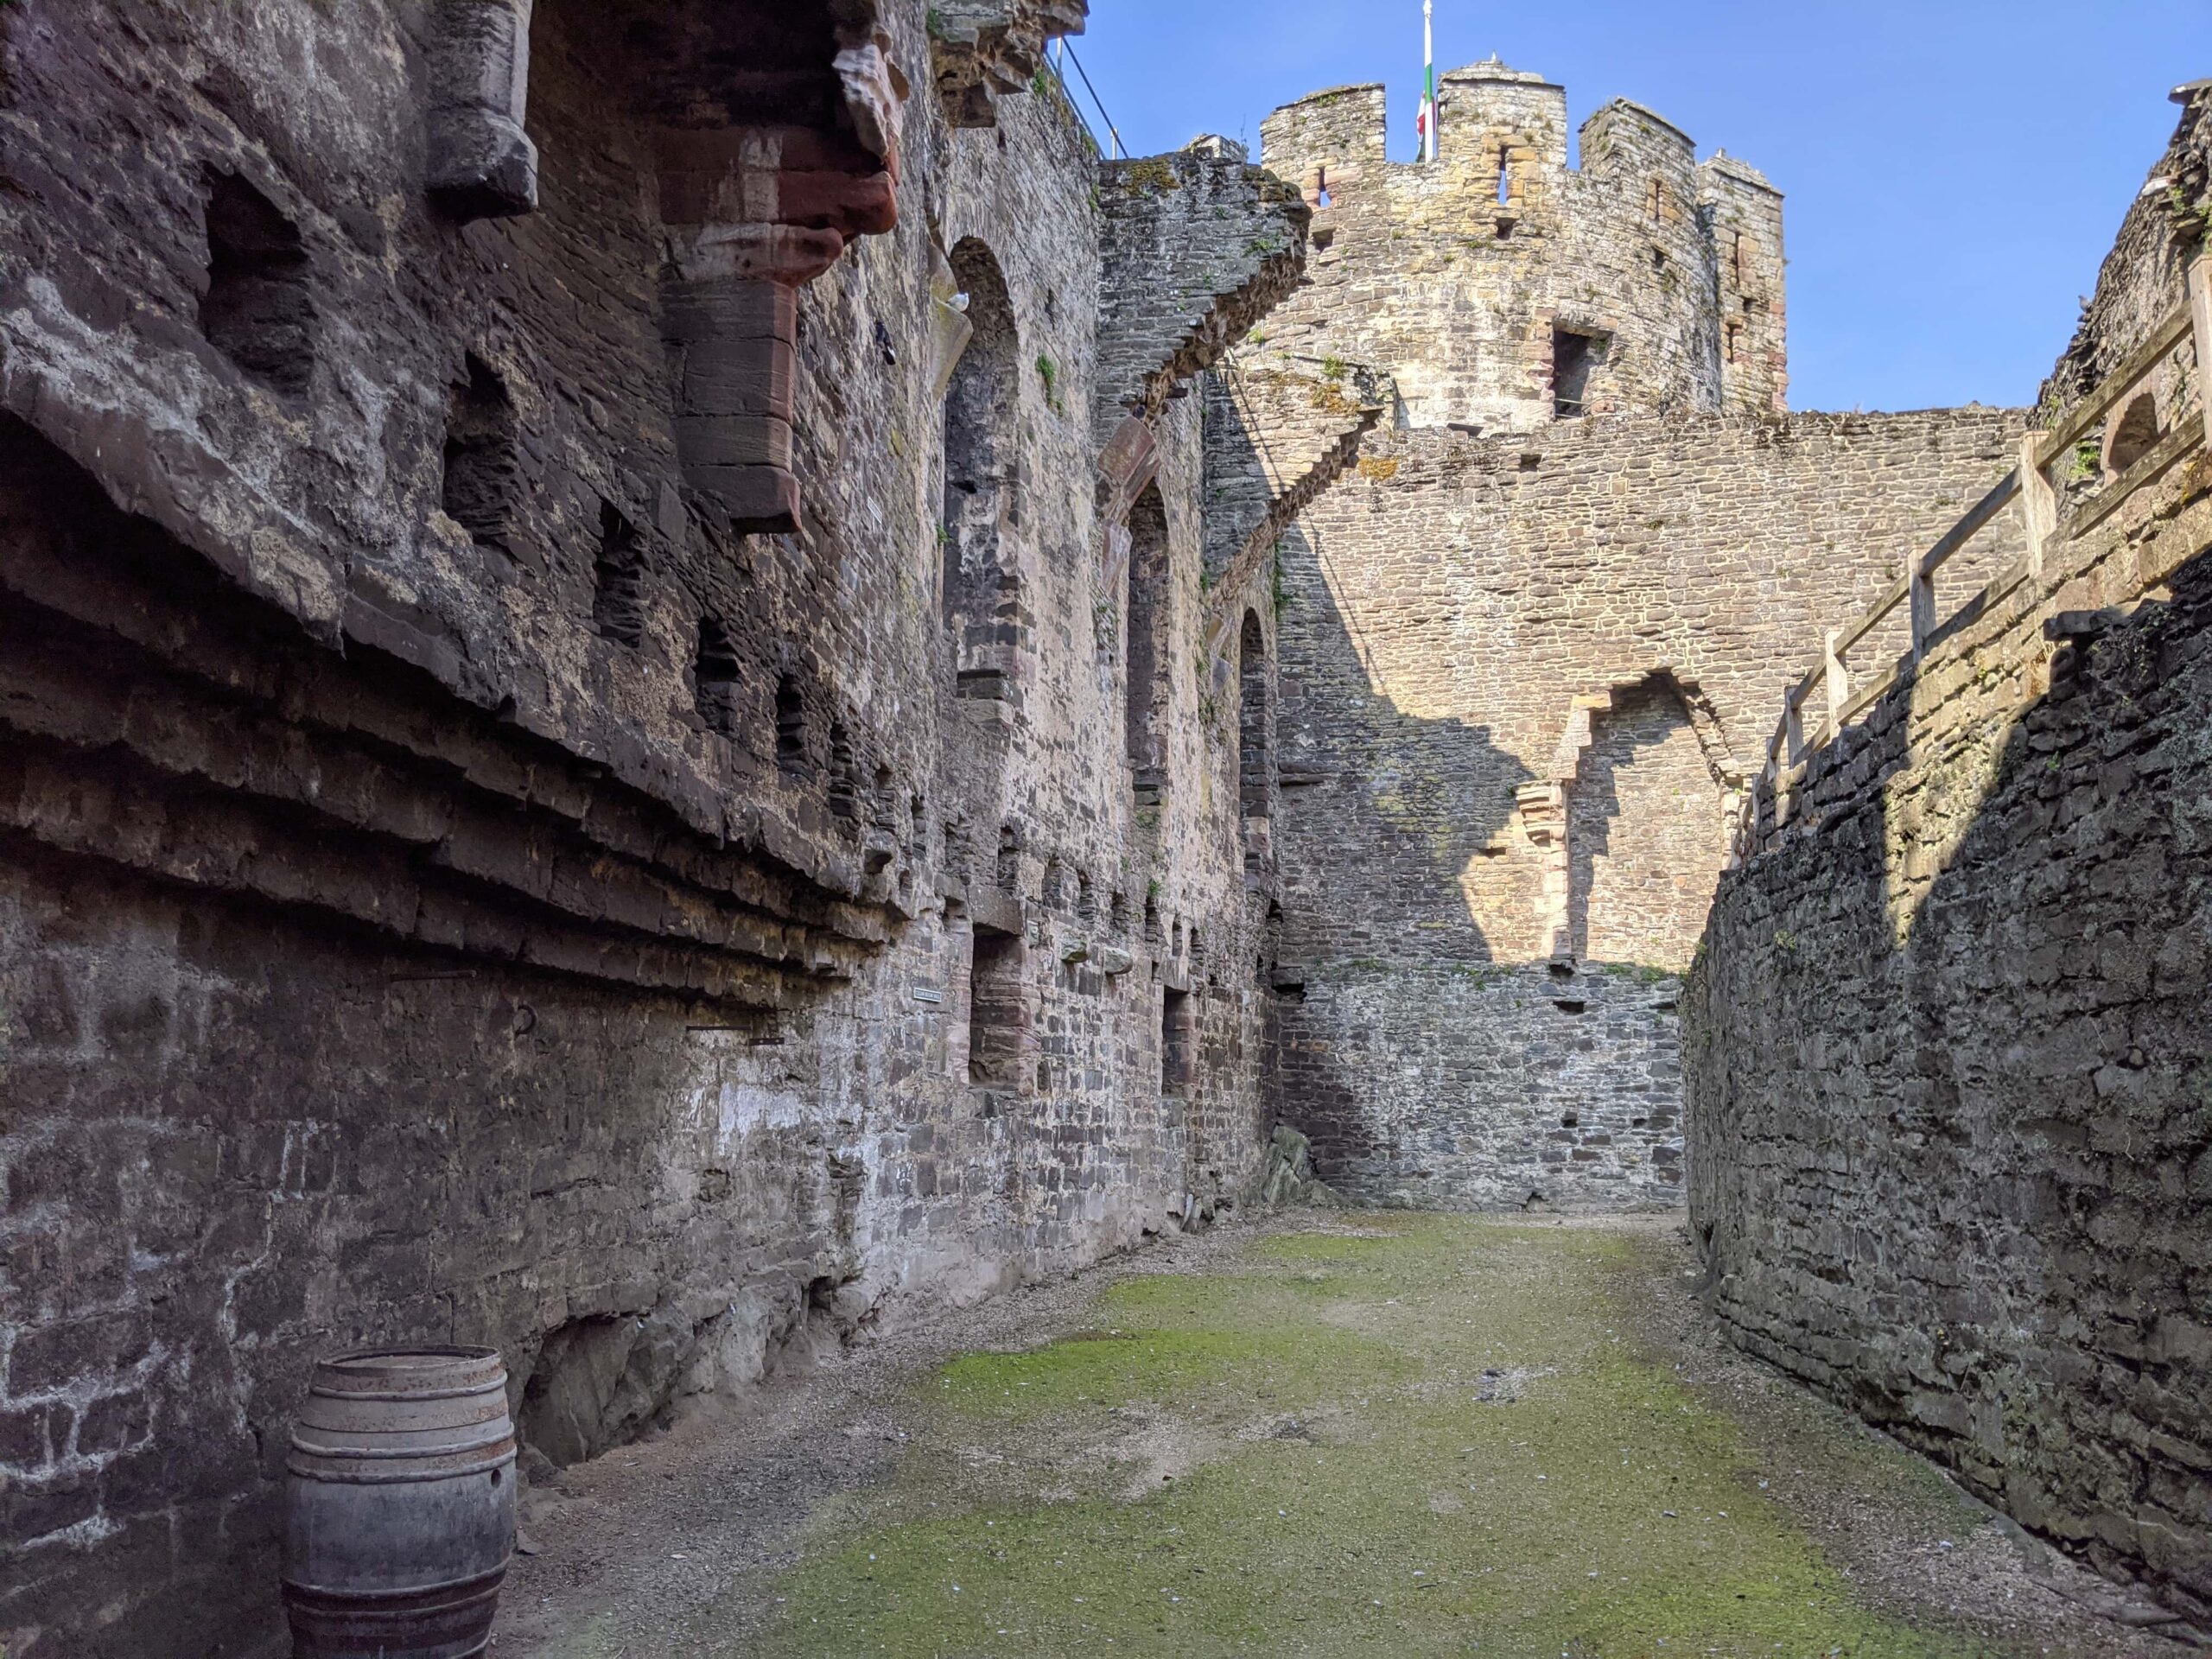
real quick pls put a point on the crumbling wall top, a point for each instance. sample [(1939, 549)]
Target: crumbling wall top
[(982, 48), (1198, 246)]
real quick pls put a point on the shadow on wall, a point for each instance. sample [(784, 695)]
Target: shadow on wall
[(1429, 1046), (1646, 833), (249, 1118), (1384, 811), (1987, 979)]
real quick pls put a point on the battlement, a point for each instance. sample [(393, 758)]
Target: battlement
[(1640, 281)]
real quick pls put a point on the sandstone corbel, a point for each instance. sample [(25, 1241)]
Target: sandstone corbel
[(482, 164), (729, 314)]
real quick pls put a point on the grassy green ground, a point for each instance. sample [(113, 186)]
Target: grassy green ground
[(1403, 1436)]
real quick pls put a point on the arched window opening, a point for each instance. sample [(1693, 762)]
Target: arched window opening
[(1254, 733), (1147, 644), (1647, 833), (999, 1025), (844, 773), (1504, 176), (259, 309), (981, 581), (1574, 354), (1178, 1043), (618, 600)]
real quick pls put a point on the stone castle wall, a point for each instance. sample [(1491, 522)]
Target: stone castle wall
[(1524, 678), (566, 779), (1458, 276), (1947, 1057), (1522, 683)]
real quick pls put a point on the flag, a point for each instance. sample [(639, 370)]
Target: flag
[(1428, 122)]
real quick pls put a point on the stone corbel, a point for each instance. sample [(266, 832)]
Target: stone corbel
[(876, 97), (729, 318), (482, 164), (984, 49), (752, 215)]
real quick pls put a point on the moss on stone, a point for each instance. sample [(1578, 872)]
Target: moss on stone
[(1419, 1435)]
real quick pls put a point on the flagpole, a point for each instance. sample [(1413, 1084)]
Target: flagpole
[(1428, 77)]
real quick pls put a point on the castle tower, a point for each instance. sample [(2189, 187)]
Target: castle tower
[(1505, 290)]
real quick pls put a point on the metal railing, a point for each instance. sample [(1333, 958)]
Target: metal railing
[(1809, 721), (1062, 56)]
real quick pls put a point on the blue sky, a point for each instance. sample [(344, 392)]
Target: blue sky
[(1955, 169)]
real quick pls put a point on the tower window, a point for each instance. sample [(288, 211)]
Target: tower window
[(1732, 342), (1573, 355), (1504, 176)]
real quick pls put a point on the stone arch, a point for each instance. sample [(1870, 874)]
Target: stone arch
[(1632, 824), (982, 591), (1255, 765)]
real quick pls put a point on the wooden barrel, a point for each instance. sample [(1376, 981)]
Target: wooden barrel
[(402, 1506)]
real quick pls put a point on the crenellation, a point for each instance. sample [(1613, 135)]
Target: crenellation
[(674, 683), (1501, 289), (1743, 219)]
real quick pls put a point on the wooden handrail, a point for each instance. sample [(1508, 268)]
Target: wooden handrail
[(1978, 516), (1845, 702)]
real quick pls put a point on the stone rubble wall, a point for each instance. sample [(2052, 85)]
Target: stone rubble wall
[(1948, 1075), (457, 882), (1487, 643), (1948, 1066)]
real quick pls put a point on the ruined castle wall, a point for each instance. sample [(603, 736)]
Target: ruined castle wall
[(1948, 1061), (534, 909), (1603, 614), (1460, 276)]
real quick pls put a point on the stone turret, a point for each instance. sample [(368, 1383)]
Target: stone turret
[(1503, 289)]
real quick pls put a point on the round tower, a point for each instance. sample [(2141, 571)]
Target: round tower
[(1504, 289)]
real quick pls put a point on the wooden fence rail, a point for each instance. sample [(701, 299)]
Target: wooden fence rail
[(1840, 701)]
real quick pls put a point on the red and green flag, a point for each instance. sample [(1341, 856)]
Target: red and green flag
[(1428, 122)]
